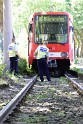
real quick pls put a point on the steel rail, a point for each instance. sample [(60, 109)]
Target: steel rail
[(76, 85), (4, 113)]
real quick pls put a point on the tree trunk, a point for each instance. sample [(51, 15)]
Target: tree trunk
[(7, 30), (81, 52)]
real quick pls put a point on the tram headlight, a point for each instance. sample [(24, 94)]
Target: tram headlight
[(64, 54)]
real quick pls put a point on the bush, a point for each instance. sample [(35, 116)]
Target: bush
[(78, 70), (79, 61), (22, 66), (2, 66)]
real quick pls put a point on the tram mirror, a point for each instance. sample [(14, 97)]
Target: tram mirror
[(71, 28), (30, 27)]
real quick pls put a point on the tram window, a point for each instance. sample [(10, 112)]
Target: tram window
[(52, 37)]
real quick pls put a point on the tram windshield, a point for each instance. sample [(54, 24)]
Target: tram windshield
[(53, 28)]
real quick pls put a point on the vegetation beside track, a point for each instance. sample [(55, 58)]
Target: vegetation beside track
[(10, 84), (23, 68), (78, 66)]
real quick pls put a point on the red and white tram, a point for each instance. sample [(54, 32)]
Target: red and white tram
[(57, 28)]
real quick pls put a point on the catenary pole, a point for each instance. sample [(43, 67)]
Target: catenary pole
[(7, 29)]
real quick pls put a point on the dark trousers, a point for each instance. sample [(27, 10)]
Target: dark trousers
[(14, 65), (43, 69)]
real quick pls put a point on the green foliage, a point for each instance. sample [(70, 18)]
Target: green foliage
[(22, 66), (23, 9), (76, 61), (2, 66), (70, 122), (79, 71), (79, 61)]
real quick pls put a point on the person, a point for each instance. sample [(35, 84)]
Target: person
[(13, 55), (42, 56)]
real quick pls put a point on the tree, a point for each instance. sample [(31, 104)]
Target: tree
[(23, 9)]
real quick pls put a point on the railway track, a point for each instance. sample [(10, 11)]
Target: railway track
[(12, 104), (75, 81), (4, 113)]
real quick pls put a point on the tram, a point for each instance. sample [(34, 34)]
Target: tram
[(57, 28)]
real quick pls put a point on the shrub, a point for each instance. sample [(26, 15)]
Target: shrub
[(2, 66), (22, 66), (79, 61)]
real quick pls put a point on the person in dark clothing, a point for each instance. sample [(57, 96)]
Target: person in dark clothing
[(41, 54), (13, 55)]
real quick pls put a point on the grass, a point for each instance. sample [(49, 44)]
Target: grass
[(3, 83), (78, 70)]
